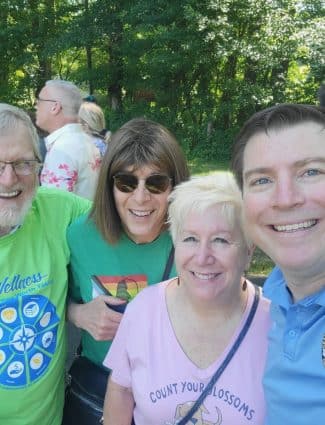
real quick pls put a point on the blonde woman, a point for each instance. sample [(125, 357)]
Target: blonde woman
[(92, 119), (203, 332)]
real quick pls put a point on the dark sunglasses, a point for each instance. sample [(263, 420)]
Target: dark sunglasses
[(155, 183)]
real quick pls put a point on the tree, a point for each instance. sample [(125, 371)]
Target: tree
[(201, 68)]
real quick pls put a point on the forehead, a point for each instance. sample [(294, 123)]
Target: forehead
[(143, 170), (16, 143), (285, 145), (213, 218)]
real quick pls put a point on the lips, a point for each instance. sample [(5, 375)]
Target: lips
[(140, 213), (295, 226), (205, 276), (10, 195)]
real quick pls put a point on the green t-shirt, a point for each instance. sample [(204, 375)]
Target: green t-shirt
[(33, 287), (127, 262)]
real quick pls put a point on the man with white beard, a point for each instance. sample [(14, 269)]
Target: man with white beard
[(33, 278)]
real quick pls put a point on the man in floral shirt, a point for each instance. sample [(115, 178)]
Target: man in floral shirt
[(72, 161)]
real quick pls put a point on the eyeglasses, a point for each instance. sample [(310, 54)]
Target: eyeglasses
[(22, 167), (155, 183), (39, 99)]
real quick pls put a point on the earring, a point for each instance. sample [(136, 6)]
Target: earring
[(244, 286)]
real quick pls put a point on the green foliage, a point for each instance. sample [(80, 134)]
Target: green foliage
[(261, 264), (201, 68), (201, 167)]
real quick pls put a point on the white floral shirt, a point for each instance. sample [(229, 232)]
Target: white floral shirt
[(72, 161)]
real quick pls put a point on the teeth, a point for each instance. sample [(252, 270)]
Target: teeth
[(141, 213), (204, 276), (294, 227), (9, 194)]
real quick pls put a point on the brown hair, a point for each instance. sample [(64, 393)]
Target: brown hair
[(276, 117), (137, 143)]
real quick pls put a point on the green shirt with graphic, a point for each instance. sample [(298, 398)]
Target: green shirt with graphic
[(33, 288), (124, 266)]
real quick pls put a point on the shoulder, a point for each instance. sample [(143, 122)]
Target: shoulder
[(274, 281), (69, 136), (81, 226), (58, 195), (57, 202), (81, 221)]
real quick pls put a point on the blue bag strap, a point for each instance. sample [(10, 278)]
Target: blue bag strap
[(169, 264)]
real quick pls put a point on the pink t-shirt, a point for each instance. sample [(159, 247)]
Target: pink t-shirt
[(146, 356)]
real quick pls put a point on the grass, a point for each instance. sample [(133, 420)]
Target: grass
[(261, 264), (198, 167)]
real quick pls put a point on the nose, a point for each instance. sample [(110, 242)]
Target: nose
[(287, 193), (141, 194), (8, 177), (204, 254)]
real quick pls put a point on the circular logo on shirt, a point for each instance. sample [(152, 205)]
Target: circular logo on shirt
[(28, 339)]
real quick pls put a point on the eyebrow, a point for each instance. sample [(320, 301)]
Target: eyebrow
[(307, 161), (260, 170), (297, 164)]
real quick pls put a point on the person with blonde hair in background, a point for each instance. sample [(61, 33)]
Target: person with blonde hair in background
[(200, 352), (92, 119), (72, 161)]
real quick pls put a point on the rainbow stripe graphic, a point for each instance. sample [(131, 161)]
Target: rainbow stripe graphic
[(123, 287)]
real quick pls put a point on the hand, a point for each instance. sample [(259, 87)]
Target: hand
[(96, 317)]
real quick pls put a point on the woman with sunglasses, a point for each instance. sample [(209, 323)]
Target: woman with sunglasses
[(121, 247)]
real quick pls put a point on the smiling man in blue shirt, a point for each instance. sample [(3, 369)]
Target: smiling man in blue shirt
[(279, 162)]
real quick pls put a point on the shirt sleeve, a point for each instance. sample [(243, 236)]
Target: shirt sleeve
[(59, 171), (74, 236), (81, 206)]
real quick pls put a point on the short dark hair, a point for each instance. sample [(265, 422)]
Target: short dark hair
[(276, 117), (137, 143)]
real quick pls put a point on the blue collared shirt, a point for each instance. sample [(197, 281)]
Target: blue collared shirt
[(294, 380)]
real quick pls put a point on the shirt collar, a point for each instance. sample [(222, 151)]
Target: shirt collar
[(278, 292), (56, 134)]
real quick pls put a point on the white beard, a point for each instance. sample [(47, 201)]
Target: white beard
[(12, 216)]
